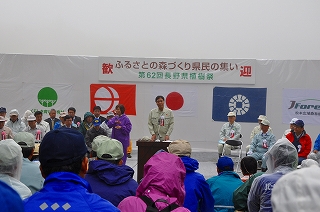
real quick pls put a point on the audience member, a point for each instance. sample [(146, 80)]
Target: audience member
[(94, 132), (229, 131), (63, 164), (10, 199), (35, 130), (261, 143), (163, 183), (291, 125), (301, 140), (297, 191), (30, 175), (52, 120), (104, 124), (15, 124), (26, 114), (198, 194), (76, 120), (223, 185), (10, 167), (315, 154), (87, 123), (282, 158), (240, 195), (3, 113), (68, 123), (40, 123), (307, 163), (121, 128), (4, 130), (107, 176), (96, 112), (60, 123), (257, 128)]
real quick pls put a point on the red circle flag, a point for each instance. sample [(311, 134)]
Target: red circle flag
[(174, 101)]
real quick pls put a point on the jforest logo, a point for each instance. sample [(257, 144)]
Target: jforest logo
[(305, 106), (108, 96)]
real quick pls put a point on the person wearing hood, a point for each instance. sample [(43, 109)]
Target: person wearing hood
[(107, 175), (282, 158), (11, 166), (163, 180), (15, 124), (198, 194), (87, 123), (297, 191), (301, 140), (223, 185)]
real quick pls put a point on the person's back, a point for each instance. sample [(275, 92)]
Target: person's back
[(63, 164), (164, 175), (9, 199), (198, 194), (107, 175), (223, 185), (282, 158)]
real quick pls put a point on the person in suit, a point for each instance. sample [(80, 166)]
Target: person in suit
[(52, 120), (96, 113), (76, 120)]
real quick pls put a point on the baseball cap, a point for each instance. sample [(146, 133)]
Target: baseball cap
[(25, 139), (293, 120), (2, 118), (3, 110), (265, 122), (14, 112), (31, 118), (225, 164), (108, 149), (63, 114), (299, 123), (180, 148), (61, 147), (231, 114), (262, 117), (96, 122), (110, 113)]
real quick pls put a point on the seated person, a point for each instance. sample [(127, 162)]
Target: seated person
[(229, 131), (315, 154), (301, 140), (291, 125), (282, 158), (240, 195), (9, 199), (261, 143), (223, 185), (107, 175), (198, 194), (163, 182)]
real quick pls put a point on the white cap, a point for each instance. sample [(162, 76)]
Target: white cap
[(2, 118), (293, 120), (14, 112), (231, 114), (31, 118), (297, 191), (262, 117), (265, 122)]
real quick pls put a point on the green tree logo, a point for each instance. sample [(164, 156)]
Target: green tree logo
[(47, 97)]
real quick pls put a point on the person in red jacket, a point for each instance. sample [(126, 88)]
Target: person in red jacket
[(301, 140)]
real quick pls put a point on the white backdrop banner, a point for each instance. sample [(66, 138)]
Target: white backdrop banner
[(234, 71), (43, 97), (301, 104)]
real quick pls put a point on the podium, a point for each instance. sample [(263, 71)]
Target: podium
[(146, 150)]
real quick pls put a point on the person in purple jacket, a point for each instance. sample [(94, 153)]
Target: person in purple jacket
[(121, 128), (164, 175)]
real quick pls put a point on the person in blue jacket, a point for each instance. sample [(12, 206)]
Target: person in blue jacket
[(315, 154), (107, 176), (63, 164), (223, 185), (198, 194)]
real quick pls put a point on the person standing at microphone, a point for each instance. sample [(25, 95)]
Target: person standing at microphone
[(161, 121)]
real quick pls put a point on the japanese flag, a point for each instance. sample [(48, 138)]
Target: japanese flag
[(181, 99)]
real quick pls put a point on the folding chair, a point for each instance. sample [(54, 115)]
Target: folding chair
[(237, 144)]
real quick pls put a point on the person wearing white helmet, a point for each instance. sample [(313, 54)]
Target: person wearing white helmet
[(15, 124)]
